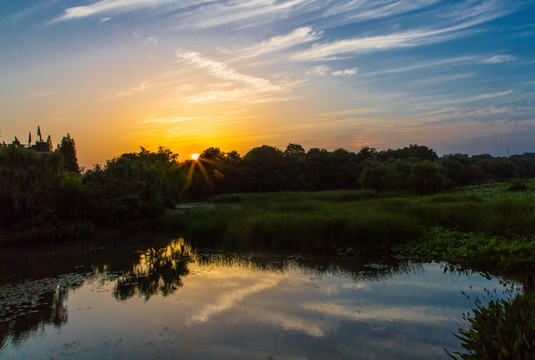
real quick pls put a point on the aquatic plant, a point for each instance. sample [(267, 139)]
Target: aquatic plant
[(503, 329)]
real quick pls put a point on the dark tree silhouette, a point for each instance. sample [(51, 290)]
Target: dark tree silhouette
[(49, 144), (68, 149)]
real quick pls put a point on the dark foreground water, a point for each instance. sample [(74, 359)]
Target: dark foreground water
[(165, 301)]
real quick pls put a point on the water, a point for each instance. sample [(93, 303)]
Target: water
[(132, 301)]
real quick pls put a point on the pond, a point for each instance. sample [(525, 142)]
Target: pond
[(130, 300)]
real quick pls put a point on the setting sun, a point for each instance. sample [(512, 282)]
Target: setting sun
[(195, 156)]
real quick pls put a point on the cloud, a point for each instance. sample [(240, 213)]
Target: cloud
[(335, 50), (420, 314), (105, 19), (460, 60), (320, 70), (346, 72), (231, 299), (489, 95), (299, 36), (243, 12), (34, 95), (219, 69), (353, 11), (113, 6), (450, 23), (151, 40), (132, 90), (499, 59), (235, 86), (488, 111)]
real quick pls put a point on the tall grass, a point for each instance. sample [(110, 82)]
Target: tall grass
[(299, 221), (330, 220), (507, 217)]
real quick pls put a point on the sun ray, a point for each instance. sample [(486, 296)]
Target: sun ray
[(205, 175)]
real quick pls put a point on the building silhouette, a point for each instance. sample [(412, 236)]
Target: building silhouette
[(43, 147)]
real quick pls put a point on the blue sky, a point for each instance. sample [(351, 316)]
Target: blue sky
[(458, 76)]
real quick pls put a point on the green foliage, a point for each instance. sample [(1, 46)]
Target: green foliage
[(502, 216), (134, 186), (40, 202), (506, 256), (518, 186), (427, 177), (379, 177), (27, 179), (503, 329)]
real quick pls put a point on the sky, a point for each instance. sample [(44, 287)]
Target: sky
[(458, 76)]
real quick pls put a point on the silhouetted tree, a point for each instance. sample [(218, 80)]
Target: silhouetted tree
[(68, 149), (294, 160), (366, 153), (261, 170), (412, 151), (49, 144)]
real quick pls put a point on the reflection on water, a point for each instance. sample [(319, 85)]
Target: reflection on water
[(157, 271), (168, 301)]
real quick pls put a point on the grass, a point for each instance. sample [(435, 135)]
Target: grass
[(299, 221), (361, 220), (513, 189)]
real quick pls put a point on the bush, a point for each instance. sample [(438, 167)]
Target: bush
[(501, 330)]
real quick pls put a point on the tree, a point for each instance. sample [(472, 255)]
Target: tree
[(294, 150), (366, 153), (261, 170), (68, 149), (49, 144), (428, 177), (379, 177)]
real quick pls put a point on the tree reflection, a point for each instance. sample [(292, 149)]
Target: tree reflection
[(51, 310), (157, 271)]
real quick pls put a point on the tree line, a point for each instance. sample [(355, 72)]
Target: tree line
[(47, 197)]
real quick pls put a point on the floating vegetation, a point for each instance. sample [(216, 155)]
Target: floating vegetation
[(22, 298)]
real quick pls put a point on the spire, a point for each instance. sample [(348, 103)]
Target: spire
[(29, 138), (39, 133)]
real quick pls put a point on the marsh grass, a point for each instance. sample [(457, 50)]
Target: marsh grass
[(360, 220), (300, 221)]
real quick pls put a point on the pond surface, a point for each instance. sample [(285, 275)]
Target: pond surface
[(166, 301)]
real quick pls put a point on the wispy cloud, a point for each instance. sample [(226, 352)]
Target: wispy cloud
[(117, 6), (358, 10), (499, 59), (151, 40), (299, 36), (135, 89), (338, 49), (320, 70), (229, 300), (436, 63), (236, 86), (240, 12), (450, 24), (346, 72), (489, 95), (219, 69), (34, 95)]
